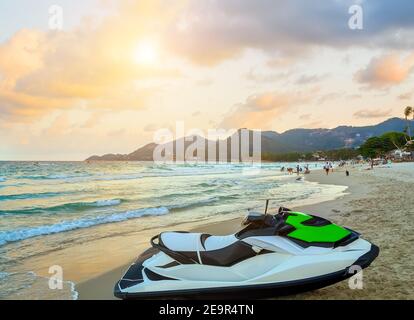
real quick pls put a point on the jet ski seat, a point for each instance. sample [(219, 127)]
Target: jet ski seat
[(202, 248), (180, 241)]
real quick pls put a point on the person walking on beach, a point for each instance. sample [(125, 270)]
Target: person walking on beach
[(326, 167), (297, 169)]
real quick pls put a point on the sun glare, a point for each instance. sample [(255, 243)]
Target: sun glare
[(146, 53)]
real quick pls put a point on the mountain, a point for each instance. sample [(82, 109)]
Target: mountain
[(295, 140), (339, 137)]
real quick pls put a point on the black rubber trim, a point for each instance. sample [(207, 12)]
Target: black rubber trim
[(265, 251), (129, 283), (316, 222), (134, 272), (253, 231), (132, 277), (257, 291), (285, 230), (305, 244), (203, 239), (347, 240), (169, 265), (155, 276), (365, 260)]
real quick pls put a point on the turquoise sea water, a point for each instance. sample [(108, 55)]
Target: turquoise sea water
[(40, 199)]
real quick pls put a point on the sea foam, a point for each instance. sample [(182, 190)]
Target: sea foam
[(26, 233), (18, 285), (104, 203), (71, 206)]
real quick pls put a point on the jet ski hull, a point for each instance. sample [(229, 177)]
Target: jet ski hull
[(251, 291)]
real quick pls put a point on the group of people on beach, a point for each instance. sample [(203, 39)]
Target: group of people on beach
[(328, 168), (299, 170)]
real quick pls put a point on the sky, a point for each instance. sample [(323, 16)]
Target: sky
[(102, 76)]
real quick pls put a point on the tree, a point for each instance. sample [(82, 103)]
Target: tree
[(397, 140), (332, 155), (372, 148), (407, 112), (380, 146)]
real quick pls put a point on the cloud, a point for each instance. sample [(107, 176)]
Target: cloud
[(281, 61), (306, 116), (21, 55), (306, 79), (329, 97), (151, 127), (405, 96), (208, 32), (90, 66), (370, 114), (117, 132), (266, 77), (258, 111), (353, 96), (313, 124), (205, 82), (93, 120), (60, 125), (386, 71)]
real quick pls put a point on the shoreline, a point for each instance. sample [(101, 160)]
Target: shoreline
[(90, 250), (101, 286), (377, 203)]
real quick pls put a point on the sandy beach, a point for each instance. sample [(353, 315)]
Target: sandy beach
[(378, 204)]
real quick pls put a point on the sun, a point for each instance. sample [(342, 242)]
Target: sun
[(145, 53)]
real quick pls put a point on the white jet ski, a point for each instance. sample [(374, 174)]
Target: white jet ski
[(273, 255)]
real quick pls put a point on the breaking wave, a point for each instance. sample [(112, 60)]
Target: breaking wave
[(26, 233), (67, 207)]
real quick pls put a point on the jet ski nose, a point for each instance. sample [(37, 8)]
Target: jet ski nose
[(365, 260), (117, 291)]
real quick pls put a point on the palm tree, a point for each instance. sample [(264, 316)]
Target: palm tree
[(407, 112)]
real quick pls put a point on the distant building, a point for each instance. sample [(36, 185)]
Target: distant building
[(399, 154)]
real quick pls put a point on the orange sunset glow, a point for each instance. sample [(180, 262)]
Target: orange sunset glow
[(119, 70)]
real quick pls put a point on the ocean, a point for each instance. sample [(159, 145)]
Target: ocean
[(47, 207)]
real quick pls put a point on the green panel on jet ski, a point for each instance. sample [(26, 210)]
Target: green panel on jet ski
[(325, 233)]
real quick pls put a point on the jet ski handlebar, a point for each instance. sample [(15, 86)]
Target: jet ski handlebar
[(266, 218), (259, 219)]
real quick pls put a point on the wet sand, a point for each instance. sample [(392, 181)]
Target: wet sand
[(381, 209), (102, 286)]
